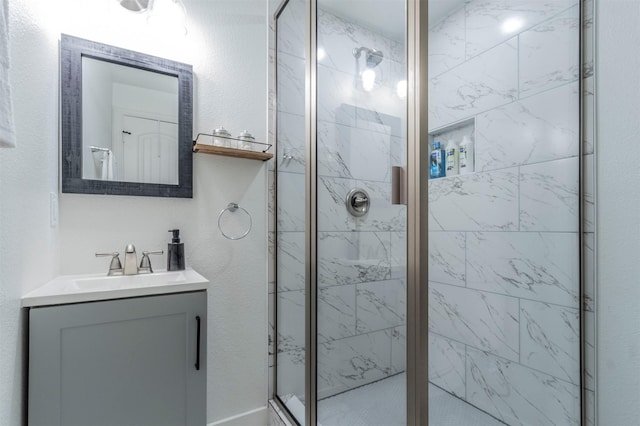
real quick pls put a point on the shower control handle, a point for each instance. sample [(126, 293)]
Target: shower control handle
[(358, 202)]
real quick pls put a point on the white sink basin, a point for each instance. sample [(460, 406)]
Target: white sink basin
[(129, 281), (87, 288)]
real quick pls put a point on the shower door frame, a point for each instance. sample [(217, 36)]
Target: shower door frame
[(417, 256)]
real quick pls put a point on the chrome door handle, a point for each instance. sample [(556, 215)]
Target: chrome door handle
[(398, 185)]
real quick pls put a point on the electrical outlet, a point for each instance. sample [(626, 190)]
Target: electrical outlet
[(53, 209)]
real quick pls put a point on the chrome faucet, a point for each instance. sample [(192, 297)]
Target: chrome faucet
[(130, 260), (115, 268)]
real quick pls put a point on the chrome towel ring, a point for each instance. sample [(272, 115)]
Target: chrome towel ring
[(232, 208)]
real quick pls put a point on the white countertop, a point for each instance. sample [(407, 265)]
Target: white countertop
[(89, 288)]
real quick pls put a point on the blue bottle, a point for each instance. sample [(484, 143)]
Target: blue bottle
[(438, 162)]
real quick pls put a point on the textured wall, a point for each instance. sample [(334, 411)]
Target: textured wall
[(504, 287), (618, 209), (227, 48)]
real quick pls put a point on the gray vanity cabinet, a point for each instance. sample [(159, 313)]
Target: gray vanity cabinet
[(119, 362)]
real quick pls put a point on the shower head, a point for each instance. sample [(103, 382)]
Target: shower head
[(373, 56)]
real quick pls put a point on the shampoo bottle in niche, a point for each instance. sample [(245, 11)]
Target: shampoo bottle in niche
[(465, 156), (175, 252), (451, 155), (438, 159)]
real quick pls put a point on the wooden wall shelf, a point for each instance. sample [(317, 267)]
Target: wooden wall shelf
[(231, 152)]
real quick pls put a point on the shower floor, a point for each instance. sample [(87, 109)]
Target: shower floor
[(383, 403)]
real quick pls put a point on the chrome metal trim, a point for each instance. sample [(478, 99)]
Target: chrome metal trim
[(277, 14), (274, 314), (417, 231), (311, 228), (283, 407), (581, 217)]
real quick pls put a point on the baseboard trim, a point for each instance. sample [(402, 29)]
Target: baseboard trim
[(256, 417)]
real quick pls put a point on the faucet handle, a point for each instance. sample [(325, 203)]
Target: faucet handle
[(115, 267), (145, 262)]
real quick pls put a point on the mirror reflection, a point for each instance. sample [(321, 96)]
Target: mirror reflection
[(129, 123)]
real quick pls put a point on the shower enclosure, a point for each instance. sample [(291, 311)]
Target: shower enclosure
[(391, 286)]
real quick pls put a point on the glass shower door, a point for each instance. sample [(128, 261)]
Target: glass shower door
[(361, 236), (290, 196)]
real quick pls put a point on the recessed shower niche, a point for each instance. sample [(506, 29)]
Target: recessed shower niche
[(454, 134)]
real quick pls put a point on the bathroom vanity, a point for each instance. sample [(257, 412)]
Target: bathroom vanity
[(128, 350)]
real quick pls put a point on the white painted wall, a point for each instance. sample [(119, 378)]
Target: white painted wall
[(618, 212), (227, 47)]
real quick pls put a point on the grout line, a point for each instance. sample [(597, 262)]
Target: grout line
[(503, 359), (502, 294)]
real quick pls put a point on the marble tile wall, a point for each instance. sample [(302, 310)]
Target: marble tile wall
[(504, 261)]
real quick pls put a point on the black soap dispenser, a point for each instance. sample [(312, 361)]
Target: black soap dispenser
[(175, 252)]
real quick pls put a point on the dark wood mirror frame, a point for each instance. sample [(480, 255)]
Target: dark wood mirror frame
[(72, 49)]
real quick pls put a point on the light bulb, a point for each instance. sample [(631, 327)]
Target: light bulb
[(512, 25), (401, 89), (321, 53), (368, 79), (168, 15)]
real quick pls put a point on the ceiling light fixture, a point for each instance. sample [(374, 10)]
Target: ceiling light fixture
[(168, 15), (136, 6)]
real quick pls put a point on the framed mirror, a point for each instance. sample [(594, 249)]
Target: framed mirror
[(126, 122)]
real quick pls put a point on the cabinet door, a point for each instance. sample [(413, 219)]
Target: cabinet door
[(120, 362)]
